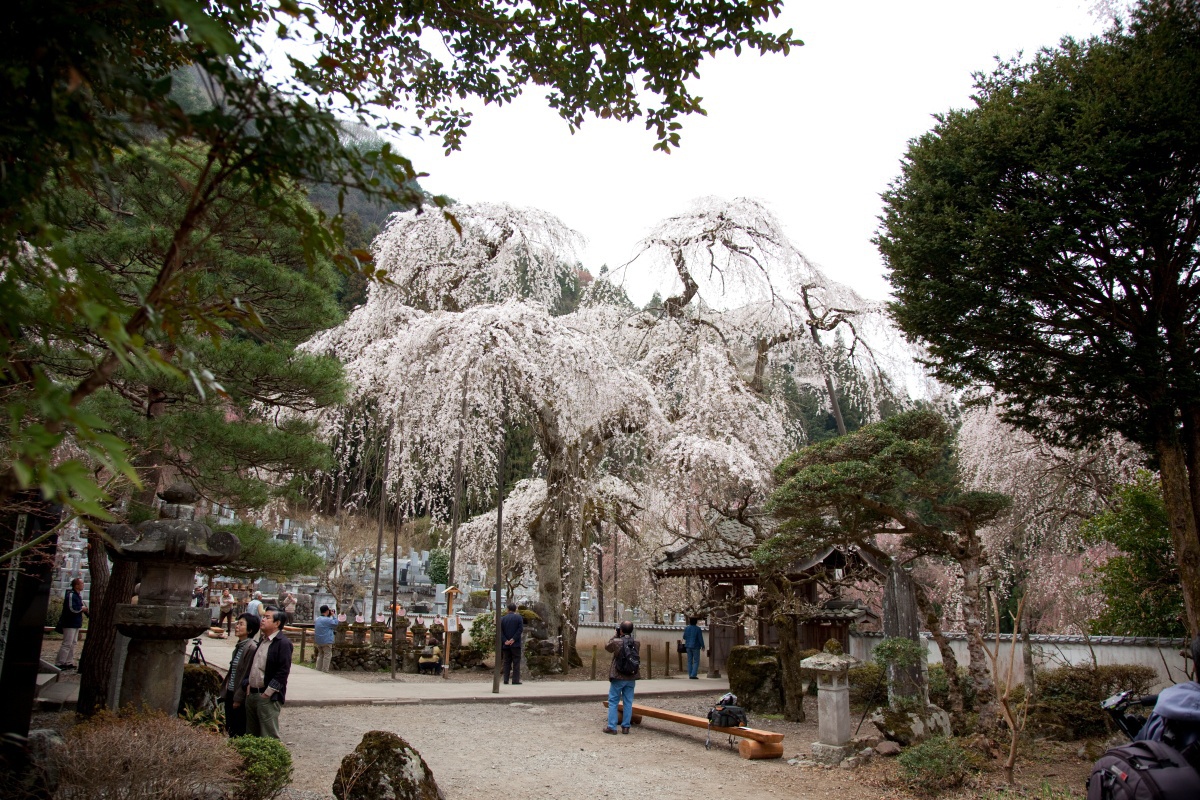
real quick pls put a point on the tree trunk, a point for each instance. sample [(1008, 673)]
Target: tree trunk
[(107, 592), (1027, 661), (795, 686), (1177, 497), (949, 660), (977, 667)]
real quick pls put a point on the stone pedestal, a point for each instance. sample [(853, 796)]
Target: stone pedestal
[(169, 552), (833, 705)]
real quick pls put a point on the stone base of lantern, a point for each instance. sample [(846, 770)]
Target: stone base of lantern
[(832, 754)]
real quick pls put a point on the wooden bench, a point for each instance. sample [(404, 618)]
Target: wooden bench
[(754, 743)]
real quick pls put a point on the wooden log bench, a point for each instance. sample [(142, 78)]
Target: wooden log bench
[(754, 743)]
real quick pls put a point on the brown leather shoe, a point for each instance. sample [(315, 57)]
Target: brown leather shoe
[(613, 731)]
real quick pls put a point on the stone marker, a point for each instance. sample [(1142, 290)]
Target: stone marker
[(833, 705)]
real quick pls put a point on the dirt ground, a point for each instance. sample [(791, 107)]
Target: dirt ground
[(551, 751), (547, 751)]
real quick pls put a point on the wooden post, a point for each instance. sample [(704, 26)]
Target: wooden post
[(499, 553), (387, 451), (650, 663), (593, 662), (303, 638), (666, 659)]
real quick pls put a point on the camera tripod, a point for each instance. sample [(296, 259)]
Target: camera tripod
[(196, 656)]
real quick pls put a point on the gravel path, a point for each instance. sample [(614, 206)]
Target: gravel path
[(556, 751)]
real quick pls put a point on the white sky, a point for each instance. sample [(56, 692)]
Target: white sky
[(817, 135)]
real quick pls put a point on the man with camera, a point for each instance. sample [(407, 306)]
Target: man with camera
[(622, 675)]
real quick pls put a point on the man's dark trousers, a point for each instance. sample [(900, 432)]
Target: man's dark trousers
[(512, 661)]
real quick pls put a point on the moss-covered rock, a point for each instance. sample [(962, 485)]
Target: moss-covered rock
[(385, 767), (202, 688), (754, 676), (910, 727)]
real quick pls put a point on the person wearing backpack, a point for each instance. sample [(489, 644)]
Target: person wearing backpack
[(1163, 760), (430, 660), (624, 672), (1176, 717)]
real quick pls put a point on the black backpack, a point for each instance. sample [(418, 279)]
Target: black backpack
[(1143, 771), (727, 717), (627, 660)]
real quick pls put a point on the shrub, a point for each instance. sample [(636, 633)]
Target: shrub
[(266, 767), (939, 687), (483, 632), (936, 764), (868, 686), (529, 615), (1067, 705), (480, 598), (201, 690), (53, 611), (143, 757)]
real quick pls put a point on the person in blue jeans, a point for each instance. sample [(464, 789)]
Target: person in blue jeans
[(323, 629), (621, 683), (693, 640)]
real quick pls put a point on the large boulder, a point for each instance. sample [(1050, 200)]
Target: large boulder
[(756, 679), (910, 727), (385, 767)]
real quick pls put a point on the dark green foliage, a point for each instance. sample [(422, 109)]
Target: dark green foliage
[(479, 598), (483, 632), (266, 767), (851, 487), (939, 688), (53, 611), (868, 686), (1043, 245), (1067, 706), (439, 566), (384, 767), (1141, 585), (264, 556), (935, 765), (202, 688)]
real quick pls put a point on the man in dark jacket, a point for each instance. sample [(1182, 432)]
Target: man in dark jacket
[(266, 683), (693, 640), (621, 682), (512, 625), (70, 623)]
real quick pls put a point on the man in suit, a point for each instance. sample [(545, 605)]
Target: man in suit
[(512, 625), (266, 683)]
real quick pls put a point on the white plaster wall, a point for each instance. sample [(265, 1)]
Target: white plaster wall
[(1163, 655)]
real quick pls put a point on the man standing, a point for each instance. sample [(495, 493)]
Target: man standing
[(69, 624), (255, 606), (626, 669), (693, 640), (266, 684), (512, 625), (323, 628)]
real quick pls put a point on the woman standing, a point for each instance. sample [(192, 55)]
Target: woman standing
[(239, 667), (227, 604)]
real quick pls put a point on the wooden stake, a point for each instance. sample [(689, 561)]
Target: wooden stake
[(499, 558), (593, 662)]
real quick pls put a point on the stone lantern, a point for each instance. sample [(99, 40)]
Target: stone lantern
[(168, 552), (833, 705)]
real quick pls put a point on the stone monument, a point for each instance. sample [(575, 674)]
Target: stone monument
[(833, 705), (168, 551)]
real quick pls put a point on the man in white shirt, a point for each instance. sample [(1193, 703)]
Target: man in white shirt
[(255, 606), (266, 684)]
